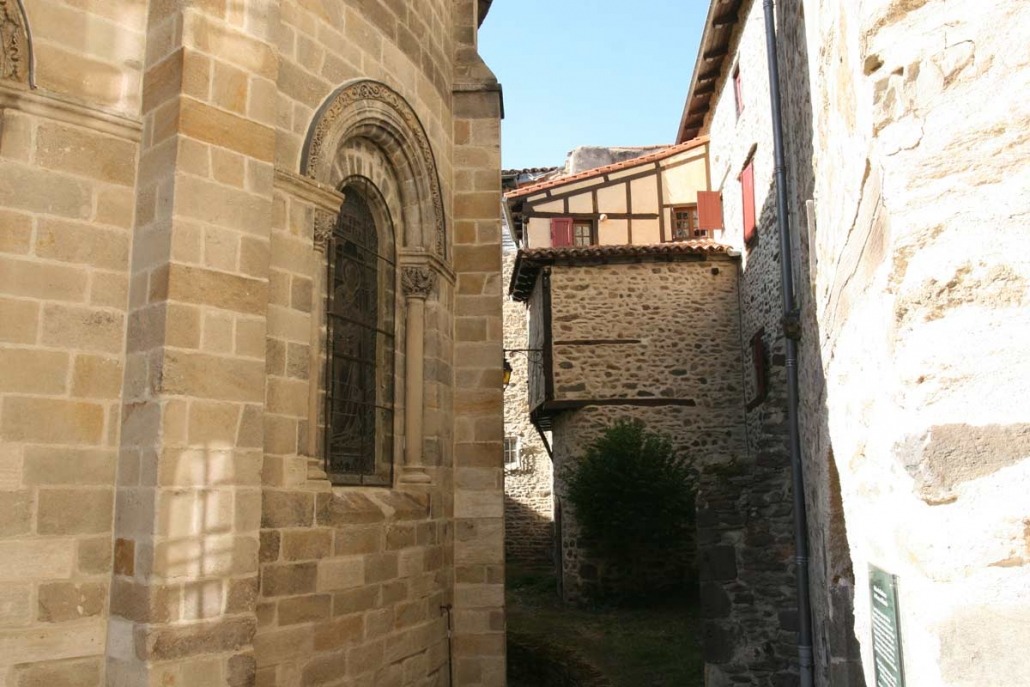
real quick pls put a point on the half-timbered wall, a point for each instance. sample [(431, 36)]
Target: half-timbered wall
[(631, 205)]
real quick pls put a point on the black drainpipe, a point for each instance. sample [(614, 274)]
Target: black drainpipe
[(792, 332)]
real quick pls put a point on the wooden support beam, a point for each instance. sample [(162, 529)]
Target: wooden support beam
[(716, 52), (727, 19)]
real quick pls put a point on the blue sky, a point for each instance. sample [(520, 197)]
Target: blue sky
[(589, 72)]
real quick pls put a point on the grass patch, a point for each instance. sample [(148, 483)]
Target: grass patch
[(655, 646)]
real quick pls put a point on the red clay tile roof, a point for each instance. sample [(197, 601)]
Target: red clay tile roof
[(615, 166), (530, 260)]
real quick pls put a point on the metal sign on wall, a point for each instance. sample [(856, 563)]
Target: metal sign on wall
[(887, 657)]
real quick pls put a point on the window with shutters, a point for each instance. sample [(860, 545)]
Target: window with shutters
[(709, 214), (561, 232), (684, 223), (747, 190), (738, 91), (566, 231), (360, 350)]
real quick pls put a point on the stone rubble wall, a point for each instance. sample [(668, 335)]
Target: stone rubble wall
[(528, 485), (684, 317), (900, 131), (751, 639), (529, 509)]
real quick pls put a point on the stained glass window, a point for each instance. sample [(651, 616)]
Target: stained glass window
[(359, 375)]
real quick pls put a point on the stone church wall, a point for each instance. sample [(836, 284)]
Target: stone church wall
[(68, 172), (166, 516), (528, 484), (352, 580)]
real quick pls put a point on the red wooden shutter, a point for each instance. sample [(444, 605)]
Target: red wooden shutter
[(561, 231), (709, 210), (747, 189)]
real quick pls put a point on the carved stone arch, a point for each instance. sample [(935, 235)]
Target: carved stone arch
[(17, 63), (373, 111), (362, 164)]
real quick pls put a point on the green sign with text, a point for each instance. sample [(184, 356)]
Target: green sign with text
[(887, 658)]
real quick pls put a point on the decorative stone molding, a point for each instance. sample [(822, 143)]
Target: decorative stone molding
[(417, 281), (374, 110), (42, 104), (324, 223), (15, 44), (309, 190)]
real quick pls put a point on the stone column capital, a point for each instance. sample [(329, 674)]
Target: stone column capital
[(417, 281), (324, 223)]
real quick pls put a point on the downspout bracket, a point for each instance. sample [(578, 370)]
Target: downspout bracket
[(792, 325)]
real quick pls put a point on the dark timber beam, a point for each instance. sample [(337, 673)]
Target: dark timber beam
[(716, 52), (709, 75), (726, 19)]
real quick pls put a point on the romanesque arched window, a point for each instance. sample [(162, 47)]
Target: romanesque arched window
[(360, 351)]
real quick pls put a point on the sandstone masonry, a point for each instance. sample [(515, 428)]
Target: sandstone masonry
[(170, 174)]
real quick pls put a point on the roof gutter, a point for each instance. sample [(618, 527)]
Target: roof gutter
[(792, 332)]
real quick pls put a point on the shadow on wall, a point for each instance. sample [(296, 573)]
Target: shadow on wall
[(199, 561), (528, 536), (837, 653)]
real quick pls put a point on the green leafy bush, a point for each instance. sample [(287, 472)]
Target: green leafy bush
[(633, 497)]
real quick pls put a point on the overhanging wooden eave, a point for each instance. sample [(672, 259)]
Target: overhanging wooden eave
[(722, 25)]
